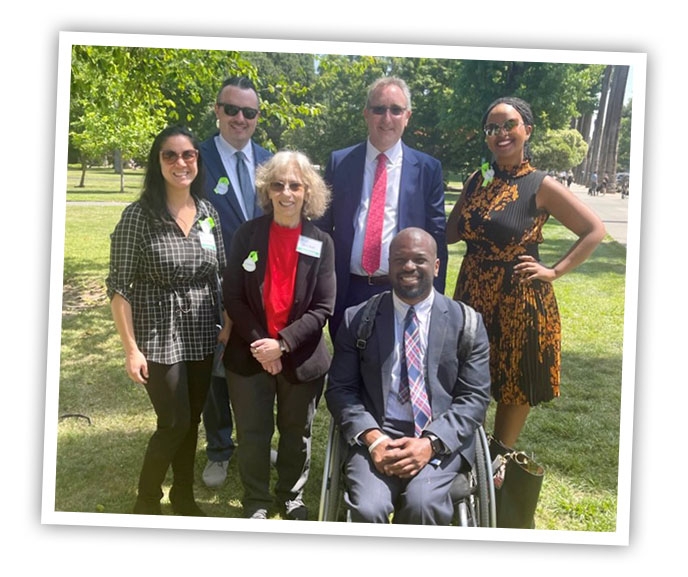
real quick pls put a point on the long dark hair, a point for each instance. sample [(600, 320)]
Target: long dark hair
[(522, 107), (153, 196)]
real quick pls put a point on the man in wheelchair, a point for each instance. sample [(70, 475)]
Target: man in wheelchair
[(406, 405)]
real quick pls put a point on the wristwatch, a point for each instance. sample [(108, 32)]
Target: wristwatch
[(283, 346), (438, 447)]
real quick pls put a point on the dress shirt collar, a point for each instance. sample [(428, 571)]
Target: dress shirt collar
[(423, 308), (227, 149), (393, 154)]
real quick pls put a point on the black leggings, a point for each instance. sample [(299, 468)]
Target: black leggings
[(178, 393)]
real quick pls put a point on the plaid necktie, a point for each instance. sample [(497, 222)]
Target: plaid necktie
[(372, 243), (412, 376)]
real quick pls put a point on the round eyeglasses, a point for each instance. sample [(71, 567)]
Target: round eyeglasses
[(494, 129)]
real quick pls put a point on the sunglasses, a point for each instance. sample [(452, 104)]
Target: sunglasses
[(232, 110), (279, 186), (394, 110), (508, 126), (170, 156)]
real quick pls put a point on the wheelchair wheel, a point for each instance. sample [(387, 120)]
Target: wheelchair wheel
[(481, 480), (473, 491), (485, 481), (331, 494)]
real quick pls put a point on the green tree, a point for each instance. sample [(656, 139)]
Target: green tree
[(624, 158), (284, 82), (113, 107), (339, 92), (559, 149), (122, 96), (553, 90)]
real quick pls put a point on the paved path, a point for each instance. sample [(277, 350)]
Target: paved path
[(611, 208)]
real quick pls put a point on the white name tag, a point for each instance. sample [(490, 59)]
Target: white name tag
[(207, 240), (309, 246)]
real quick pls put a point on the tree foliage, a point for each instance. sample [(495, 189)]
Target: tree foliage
[(122, 96), (559, 150), (624, 158)]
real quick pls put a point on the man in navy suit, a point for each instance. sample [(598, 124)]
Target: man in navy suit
[(394, 465), (237, 109), (414, 196)]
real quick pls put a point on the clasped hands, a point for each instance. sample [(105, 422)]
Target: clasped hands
[(267, 352), (403, 457)]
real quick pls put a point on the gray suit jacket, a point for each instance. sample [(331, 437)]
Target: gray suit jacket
[(359, 381)]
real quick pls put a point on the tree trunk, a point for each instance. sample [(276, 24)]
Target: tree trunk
[(117, 160), (82, 181), (612, 124), (583, 125), (594, 149)]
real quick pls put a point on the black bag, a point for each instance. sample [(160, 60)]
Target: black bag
[(518, 480), (466, 338)]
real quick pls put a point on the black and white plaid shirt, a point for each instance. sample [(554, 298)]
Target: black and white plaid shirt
[(170, 282)]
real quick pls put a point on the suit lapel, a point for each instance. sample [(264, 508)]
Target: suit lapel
[(215, 169), (354, 170), (437, 340), (407, 186), (384, 324), (302, 283), (259, 243)]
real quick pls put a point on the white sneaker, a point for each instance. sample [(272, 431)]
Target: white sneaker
[(215, 473)]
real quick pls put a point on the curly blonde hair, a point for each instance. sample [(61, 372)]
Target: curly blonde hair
[(317, 194)]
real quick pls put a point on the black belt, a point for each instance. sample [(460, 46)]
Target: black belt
[(372, 280)]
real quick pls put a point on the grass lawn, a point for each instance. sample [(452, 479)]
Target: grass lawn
[(576, 437)]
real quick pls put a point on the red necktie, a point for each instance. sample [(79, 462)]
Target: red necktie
[(372, 243)]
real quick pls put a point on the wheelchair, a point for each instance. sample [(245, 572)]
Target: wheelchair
[(473, 492)]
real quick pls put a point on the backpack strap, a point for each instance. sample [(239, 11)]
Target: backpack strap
[(470, 328), (365, 327), (464, 346)]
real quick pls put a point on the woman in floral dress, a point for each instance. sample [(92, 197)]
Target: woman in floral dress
[(500, 216)]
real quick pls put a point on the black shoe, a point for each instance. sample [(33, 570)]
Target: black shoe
[(298, 514), (185, 505), (295, 510), (147, 507), (256, 514)]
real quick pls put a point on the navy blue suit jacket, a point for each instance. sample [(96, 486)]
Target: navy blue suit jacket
[(359, 382), (421, 204), (227, 205)]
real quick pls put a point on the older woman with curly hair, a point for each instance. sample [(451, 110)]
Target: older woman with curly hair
[(279, 291)]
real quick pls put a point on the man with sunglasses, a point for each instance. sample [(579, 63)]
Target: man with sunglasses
[(230, 158), (410, 193)]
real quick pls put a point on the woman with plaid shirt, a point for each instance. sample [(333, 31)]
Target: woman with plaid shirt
[(165, 260)]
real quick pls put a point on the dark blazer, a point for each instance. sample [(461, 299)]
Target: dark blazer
[(359, 382), (227, 205), (421, 204), (314, 295)]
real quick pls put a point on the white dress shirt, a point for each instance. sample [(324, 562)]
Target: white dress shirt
[(395, 409), (229, 160), (389, 228)]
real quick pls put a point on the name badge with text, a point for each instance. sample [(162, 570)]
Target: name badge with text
[(207, 240), (309, 246)]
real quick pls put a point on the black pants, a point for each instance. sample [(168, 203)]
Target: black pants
[(178, 393), (253, 401)]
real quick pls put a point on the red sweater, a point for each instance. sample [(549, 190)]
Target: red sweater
[(280, 274)]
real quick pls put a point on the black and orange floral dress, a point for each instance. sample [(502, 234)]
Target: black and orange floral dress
[(499, 221)]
